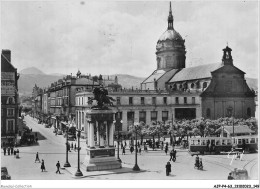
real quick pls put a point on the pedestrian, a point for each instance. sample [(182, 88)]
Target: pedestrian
[(140, 150), (4, 150), (17, 153), (131, 149), (171, 155), (12, 150), (58, 167), (125, 143), (166, 149), (122, 145), (14, 154), (71, 145), (168, 168), (42, 166), (123, 150), (174, 155), (75, 147), (8, 151), (230, 177), (37, 158)]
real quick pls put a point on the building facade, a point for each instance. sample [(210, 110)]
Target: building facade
[(174, 92), (9, 99)]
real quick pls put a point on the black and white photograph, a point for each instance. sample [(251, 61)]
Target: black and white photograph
[(129, 94)]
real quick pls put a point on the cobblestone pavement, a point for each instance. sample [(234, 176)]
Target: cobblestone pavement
[(152, 163)]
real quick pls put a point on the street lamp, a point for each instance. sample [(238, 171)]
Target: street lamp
[(136, 167), (118, 122), (67, 164), (78, 173)]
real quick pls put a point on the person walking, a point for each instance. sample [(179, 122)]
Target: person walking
[(14, 153), (4, 150), (42, 166), (171, 155), (17, 153), (12, 150), (230, 177), (58, 167), (131, 149), (166, 149), (71, 145), (123, 150), (168, 168), (8, 151), (75, 147), (140, 150), (174, 155), (37, 158)]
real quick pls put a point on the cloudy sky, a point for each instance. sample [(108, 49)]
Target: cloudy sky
[(115, 37)]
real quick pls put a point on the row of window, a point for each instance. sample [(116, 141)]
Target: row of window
[(185, 85), (154, 100), (80, 100), (143, 116)]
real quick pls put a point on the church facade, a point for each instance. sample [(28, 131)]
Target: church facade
[(173, 91)]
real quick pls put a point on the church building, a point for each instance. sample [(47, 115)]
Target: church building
[(175, 92)]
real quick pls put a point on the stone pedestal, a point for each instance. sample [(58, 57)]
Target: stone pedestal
[(101, 159), (100, 156)]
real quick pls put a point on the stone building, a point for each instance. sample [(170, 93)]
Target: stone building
[(9, 99), (173, 91)]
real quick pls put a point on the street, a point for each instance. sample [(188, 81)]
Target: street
[(151, 163)]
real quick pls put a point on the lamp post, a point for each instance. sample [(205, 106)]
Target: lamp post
[(118, 122), (67, 164), (78, 173), (136, 167)]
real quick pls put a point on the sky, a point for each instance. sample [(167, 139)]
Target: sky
[(120, 37)]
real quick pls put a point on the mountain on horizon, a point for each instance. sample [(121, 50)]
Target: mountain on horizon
[(31, 76), (32, 70)]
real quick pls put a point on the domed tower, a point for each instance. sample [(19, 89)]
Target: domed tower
[(170, 48)]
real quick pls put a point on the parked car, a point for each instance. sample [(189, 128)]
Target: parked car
[(59, 132), (4, 174)]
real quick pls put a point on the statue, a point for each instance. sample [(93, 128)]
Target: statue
[(100, 95)]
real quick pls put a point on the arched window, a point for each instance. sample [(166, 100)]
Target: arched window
[(192, 85), (248, 112), (205, 84), (10, 100), (208, 113)]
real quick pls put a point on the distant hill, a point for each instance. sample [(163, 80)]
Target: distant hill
[(31, 76), (27, 81), (32, 70)]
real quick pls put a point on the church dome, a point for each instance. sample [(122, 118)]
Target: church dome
[(170, 35)]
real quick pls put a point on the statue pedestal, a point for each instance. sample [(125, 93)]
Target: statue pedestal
[(101, 159)]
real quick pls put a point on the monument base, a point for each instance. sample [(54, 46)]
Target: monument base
[(100, 159)]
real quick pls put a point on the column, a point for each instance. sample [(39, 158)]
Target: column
[(88, 133), (124, 118), (107, 133), (173, 114), (91, 138), (159, 115), (148, 117), (98, 137), (136, 116), (111, 134)]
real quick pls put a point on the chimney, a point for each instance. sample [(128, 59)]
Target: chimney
[(7, 54)]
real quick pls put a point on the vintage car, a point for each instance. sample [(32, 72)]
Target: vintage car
[(4, 174)]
